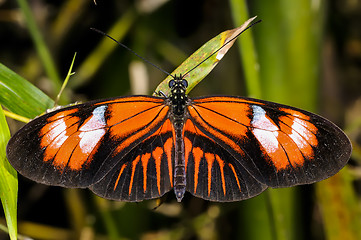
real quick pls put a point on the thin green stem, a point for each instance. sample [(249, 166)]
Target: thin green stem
[(70, 73)]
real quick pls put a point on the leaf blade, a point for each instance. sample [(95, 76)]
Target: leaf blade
[(8, 181), (201, 71), (20, 96)]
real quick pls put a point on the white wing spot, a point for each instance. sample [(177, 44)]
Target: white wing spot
[(299, 130), (267, 139), (264, 130), (261, 121), (58, 133), (92, 130), (88, 140), (97, 121)]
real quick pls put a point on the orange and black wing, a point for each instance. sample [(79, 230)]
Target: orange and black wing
[(120, 148), (237, 147)]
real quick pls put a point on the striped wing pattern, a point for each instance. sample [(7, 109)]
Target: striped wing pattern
[(212, 172), (146, 172)]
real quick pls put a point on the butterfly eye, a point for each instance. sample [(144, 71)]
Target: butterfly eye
[(171, 83), (184, 83)]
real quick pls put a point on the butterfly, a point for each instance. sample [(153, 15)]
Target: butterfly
[(219, 148)]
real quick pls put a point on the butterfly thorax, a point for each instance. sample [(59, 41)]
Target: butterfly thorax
[(178, 96)]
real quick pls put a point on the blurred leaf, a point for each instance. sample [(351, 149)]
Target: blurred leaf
[(20, 96), (95, 60), (197, 74), (285, 210), (40, 45), (257, 210), (288, 43), (8, 180), (340, 207), (46, 232), (66, 19), (247, 50)]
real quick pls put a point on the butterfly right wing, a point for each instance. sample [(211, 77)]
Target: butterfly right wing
[(79, 145), (252, 144)]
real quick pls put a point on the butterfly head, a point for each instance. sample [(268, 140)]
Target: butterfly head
[(178, 86), (178, 83)]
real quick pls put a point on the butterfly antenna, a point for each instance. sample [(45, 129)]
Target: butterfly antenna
[(221, 47), (130, 50)]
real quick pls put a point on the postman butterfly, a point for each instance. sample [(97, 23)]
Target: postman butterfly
[(219, 148)]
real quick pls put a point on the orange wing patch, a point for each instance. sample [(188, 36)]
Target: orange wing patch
[(299, 139), (221, 167), (189, 126), (130, 128), (146, 170), (134, 165), (168, 146), (235, 176), (266, 132), (197, 155), (287, 143), (226, 122), (119, 175), (210, 160), (206, 168), (71, 145)]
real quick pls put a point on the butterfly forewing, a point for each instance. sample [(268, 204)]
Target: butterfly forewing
[(76, 146), (277, 145)]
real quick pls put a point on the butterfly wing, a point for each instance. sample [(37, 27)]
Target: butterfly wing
[(145, 172), (236, 147), (79, 145), (212, 172)]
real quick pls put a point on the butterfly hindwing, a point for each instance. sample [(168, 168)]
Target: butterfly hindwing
[(212, 172), (278, 145), (145, 172), (78, 145)]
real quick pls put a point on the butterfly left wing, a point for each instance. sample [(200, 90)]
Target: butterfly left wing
[(79, 145), (272, 144), (145, 172)]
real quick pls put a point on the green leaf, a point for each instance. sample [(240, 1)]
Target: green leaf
[(201, 71), (20, 96), (8, 180)]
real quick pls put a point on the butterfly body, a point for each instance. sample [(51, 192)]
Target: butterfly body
[(219, 148)]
